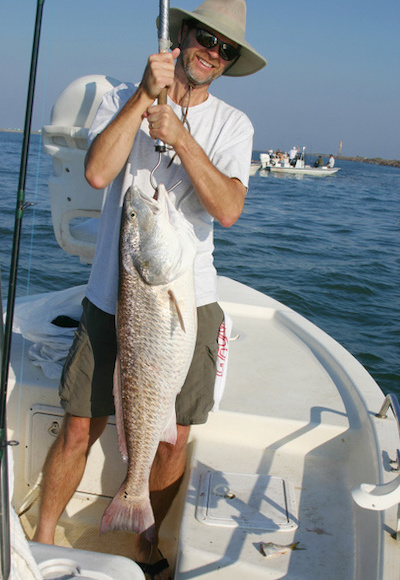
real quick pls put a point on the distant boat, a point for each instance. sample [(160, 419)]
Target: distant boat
[(282, 164), (254, 167)]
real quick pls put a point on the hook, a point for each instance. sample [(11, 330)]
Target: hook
[(152, 178)]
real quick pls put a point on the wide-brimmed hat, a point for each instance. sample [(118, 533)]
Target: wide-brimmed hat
[(227, 17)]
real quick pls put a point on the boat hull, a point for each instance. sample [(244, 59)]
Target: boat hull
[(315, 171), (254, 167)]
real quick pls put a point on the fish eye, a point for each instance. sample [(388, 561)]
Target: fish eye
[(132, 215)]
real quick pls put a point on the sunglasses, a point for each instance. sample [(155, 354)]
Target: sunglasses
[(209, 40)]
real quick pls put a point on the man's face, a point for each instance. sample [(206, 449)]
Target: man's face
[(201, 65)]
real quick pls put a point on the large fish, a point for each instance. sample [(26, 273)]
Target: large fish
[(156, 333)]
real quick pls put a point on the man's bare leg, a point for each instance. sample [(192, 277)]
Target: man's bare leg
[(165, 478), (63, 470)]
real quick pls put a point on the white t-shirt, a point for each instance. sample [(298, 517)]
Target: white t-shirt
[(226, 136)]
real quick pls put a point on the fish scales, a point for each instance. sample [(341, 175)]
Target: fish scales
[(156, 333)]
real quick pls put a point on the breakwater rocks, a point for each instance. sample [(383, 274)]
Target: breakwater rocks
[(374, 160)]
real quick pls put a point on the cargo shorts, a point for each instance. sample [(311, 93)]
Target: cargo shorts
[(86, 383)]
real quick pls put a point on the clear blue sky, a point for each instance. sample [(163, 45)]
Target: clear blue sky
[(333, 68)]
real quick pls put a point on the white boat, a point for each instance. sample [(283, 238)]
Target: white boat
[(254, 167), (283, 165), (291, 478)]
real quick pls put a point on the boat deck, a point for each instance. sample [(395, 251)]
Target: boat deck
[(277, 463)]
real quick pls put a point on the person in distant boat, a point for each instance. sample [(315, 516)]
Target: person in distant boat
[(319, 162), (294, 154), (331, 162), (208, 162)]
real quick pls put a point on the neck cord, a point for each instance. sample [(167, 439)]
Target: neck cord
[(184, 120)]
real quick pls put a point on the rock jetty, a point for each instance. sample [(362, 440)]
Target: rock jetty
[(374, 160)]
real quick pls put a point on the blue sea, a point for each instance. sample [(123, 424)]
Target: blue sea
[(327, 247)]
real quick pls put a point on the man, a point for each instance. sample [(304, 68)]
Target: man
[(208, 162), (293, 155), (331, 162), (319, 162)]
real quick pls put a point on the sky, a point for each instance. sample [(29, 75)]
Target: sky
[(333, 70)]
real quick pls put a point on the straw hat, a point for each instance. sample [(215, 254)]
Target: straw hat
[(227, 17)]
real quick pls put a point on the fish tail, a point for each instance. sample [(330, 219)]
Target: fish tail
[(129, 513)]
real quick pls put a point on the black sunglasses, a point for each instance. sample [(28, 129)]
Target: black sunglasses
[(209, 40)]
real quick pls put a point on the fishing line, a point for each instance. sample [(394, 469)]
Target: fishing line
[(40, 152)]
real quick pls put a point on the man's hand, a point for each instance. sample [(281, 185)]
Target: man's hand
[(164, 124), (159, 72)]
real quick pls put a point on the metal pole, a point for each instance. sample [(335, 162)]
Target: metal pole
[(163, 46), (4, 497), (4, 515), (4, 507)]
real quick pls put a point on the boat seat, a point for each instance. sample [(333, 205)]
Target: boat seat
[(75, 206), (60, 563)]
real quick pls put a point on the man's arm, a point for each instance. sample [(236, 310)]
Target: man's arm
[(111, 148), (222, 196)]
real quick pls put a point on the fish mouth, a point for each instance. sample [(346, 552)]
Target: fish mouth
[(158, 202)]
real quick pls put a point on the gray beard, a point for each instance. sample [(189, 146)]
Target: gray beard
[(191, 80)]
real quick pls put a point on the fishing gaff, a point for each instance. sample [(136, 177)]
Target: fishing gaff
[(6, 347), (163, 46)]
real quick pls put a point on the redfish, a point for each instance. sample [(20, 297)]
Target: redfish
[(156, 332)]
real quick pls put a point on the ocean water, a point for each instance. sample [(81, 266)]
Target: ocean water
[(327, 247)]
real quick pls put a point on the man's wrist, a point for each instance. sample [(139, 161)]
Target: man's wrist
[(142, 99)]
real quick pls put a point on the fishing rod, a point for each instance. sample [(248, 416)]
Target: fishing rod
[(5, 360)]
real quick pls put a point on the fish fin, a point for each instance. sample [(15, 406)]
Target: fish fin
[(118, 412), (169, 435), (178, 310), (131, 514)]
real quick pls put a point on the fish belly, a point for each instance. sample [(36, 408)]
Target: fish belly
[(155, 349)]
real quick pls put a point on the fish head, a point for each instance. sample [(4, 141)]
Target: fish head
[(156, 239)]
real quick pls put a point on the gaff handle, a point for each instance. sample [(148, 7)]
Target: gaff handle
[(163, 46), (162, 100)]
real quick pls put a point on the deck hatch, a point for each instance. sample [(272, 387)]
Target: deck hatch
[(248, 501)]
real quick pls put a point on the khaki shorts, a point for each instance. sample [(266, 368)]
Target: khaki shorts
[(87, 377)]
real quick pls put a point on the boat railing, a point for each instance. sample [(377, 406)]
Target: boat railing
[(391, 402), (384, 496)]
